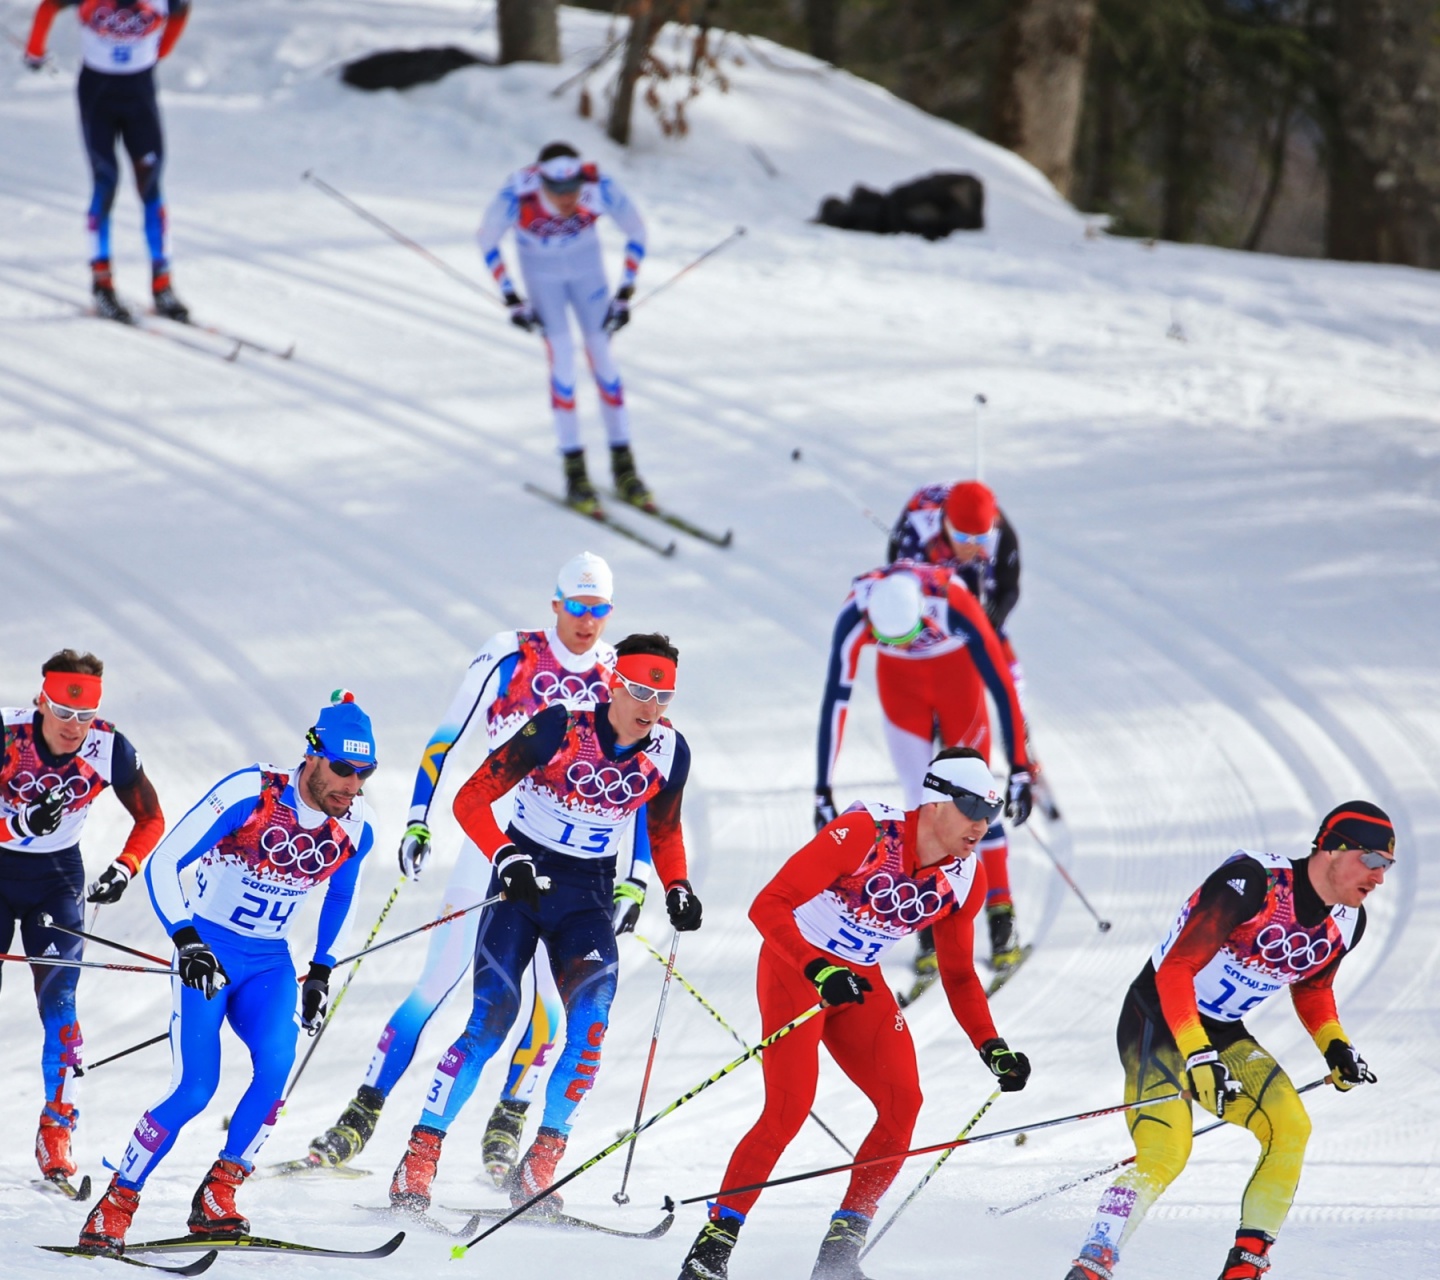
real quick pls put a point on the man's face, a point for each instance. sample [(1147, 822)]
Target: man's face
[(326, 790), (563, 202), (1345, 879), (62, 737), (578, 634), (630, 717), (947, 833)]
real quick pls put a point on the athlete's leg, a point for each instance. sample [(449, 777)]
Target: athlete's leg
[(590, 297), (1271, 1109), (145, 144), (100, 128), (909, 719), (262, 1014), (57, 892), (549, 299)]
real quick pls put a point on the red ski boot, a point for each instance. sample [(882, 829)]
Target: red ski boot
[(105, 1228), (537, 1171), (410, 1187), (1096, 1262), (213, 1211), (1250, 1257), (52, 1142)]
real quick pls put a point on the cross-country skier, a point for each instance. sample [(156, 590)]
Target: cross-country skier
[(936, 656), (552, 206), (1260, 922), (516, 675), (56, 757), (120, 43), (580, 779), (868, 878), (258, 842)]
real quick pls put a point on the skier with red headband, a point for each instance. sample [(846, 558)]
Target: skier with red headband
[(1260, 923), (552, 206), (56, 757), (870, 877), (580, 778)]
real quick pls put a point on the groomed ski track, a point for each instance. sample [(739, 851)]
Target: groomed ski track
[(1228, 617)]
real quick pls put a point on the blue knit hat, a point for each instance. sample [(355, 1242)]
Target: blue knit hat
[(342, 732)]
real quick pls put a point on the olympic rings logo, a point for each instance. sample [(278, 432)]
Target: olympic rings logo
[(1296, 950), (30, 787), (906, 902), (549, 687), (608, 784), (299, 853), (121, 23)]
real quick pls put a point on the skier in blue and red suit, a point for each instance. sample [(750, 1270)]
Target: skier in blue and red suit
[(580, 776), (56, 757), (120, 43)]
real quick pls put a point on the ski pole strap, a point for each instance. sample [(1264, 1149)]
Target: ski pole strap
[(754, 1051), (410, 933), (56, 962), (941, 1146), (49, 922), (124, 1053)]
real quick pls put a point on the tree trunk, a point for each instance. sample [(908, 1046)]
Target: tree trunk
[(529, 31), (822, 21), (637, 46), (1040, 82)]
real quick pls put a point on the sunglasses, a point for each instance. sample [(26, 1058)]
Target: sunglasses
[(643, 692), (976, 807), (577, 609), (66, 714), (342, 768), (987, 541), (1375, 860)]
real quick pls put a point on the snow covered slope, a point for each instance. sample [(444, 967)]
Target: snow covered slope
[(1228, 624)]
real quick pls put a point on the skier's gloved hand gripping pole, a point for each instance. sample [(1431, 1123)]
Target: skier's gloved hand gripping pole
[(620, 1197), (754, 1051)]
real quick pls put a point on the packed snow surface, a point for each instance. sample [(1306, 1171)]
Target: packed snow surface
[(1223, 469)]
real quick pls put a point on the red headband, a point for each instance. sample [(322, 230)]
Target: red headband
[(648, 669), (72, 689)]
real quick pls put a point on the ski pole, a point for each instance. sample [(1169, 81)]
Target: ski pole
[(1104, 925), (620, 1197), (843, 489), (315, 180), (980, 401), (542, 881), (931, 1172), (1119, 1164), (124, 1053), (734, 1035), (460, 1250), (940, 1146), (685, 270), (58, 963), (47, 921)]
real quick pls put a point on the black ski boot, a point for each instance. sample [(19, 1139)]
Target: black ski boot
[(840, 1250), (346, 1138), (1004, 937), (102, 289), (500, 1148), (628, 484), (166, 303), (709, 1256), (579, 492)]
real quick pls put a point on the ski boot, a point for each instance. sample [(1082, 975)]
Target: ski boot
[(537, 1171), (628, 484), (102, 289), (213, 1211), (1004, 937), (1096, 1262), (410, 1187), (579, 492), (840, 1250), (166, 303), (52, 1141), (346, 1138), (709, 1256), (105, 1228), (1250, 1256), (500, 1148)]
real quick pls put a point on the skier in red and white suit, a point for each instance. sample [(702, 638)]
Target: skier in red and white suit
[(937, 656), (870, 877)]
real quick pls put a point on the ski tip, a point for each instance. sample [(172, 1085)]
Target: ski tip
[(288, 353), (727, 539), (389, 1247)]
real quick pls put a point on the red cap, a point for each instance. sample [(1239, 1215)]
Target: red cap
[(648, 669), (72, 689), (970, 507)]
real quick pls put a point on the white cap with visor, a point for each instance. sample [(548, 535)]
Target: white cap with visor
[(586, 575), (967, 783)]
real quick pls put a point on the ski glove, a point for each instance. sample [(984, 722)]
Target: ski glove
[(1347, 1068), (837, 984), (315, 998), (107, 887), (414, 849), (41, 818), (683, 907), (824, 807), (517, 875), (617, 316), (522, 315), (629, 898), (1020, 801), (200, 969), (1010, 1068), (1210, 1082)]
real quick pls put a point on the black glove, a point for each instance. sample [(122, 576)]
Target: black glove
[(107, 887), (315, 998), (517, 874), (200, 968), (629, 898), (617, 315), (824, 807), (836, 983), (522, 315), (1210, 1082), (683, 907), (1010, 1068), (414, 849), (1347, 1068), (1019, 802), (41, 818)]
